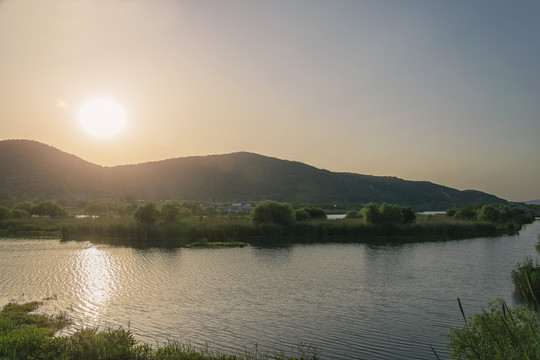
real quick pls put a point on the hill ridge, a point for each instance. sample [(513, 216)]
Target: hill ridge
[(30, 168)]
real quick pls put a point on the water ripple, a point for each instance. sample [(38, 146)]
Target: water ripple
[(352, 301)]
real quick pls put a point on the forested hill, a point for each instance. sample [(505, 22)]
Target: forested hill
[(32, 169)]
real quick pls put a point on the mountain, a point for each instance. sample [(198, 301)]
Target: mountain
[(31, 168)]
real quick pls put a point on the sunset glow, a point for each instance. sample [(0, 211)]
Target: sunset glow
[(437, 91), (102, 117)]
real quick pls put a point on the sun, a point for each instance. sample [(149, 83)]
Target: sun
[(102, 117)]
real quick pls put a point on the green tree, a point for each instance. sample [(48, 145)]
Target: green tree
[(409, 216), (391, 214), (49, 208), (313, 213), (371, 214), (5, 213), (146, 213), (462, 212), (273, 212), (19, 214), (23, 205), (490, 213), (353, 214), (173, 210), (301, 214), (316, 213), (97, 207)]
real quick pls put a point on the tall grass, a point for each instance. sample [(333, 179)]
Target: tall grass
[(499, 333), (526, 278), (22, 334), (358, 229), (36, 227), (129, 232)]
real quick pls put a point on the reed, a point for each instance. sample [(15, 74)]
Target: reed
[(526, 278), (498, 333), (126, 231)]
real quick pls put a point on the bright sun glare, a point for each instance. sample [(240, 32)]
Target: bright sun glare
[(102, 117)]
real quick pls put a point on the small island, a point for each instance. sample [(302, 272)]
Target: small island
[(191, 224)]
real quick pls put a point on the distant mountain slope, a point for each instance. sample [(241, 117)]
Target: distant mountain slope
[(31, 168)]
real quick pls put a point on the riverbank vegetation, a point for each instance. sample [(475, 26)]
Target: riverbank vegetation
[(526, 278), (502, 332), (26, 335), (174, 223)]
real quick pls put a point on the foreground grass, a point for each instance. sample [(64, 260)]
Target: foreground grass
[(24, 335), (526, 278), (500, 333)]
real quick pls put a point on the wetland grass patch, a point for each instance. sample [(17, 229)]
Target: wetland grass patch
[(25, 336)]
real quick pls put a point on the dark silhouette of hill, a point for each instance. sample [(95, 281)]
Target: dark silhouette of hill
[(31, 168)]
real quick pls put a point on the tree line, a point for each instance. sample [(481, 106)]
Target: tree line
[(372, 213), (26, 209)]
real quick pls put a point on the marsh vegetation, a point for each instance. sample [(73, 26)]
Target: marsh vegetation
[(25, 335), (503, 332), (173, 223)]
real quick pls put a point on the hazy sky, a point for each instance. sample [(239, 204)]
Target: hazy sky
[(444, 91)]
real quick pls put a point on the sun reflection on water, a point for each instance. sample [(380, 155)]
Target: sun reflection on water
[(95, 281)]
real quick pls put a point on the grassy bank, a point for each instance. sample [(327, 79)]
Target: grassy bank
[(222, 229), (24, 335), (39, 227), (500, 332), (186, 231)]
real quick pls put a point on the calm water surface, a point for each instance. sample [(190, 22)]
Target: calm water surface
[(353, 301)]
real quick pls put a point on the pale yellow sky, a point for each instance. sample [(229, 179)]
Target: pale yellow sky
[(444, 92)]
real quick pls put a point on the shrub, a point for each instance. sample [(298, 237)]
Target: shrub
[(500, 333), (526, 278), (409, 216), (390, 214), (310, 213), (49, 208), (23, 205), (273, 212), (387, 214), (146, 213), (462, 212), (301, 214), (490, 213), (19, 213), (5, 213), (316, 213), (371, 214), (172, 210), (353, 214)]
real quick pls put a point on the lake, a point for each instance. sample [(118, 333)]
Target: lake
[(352, 301)]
